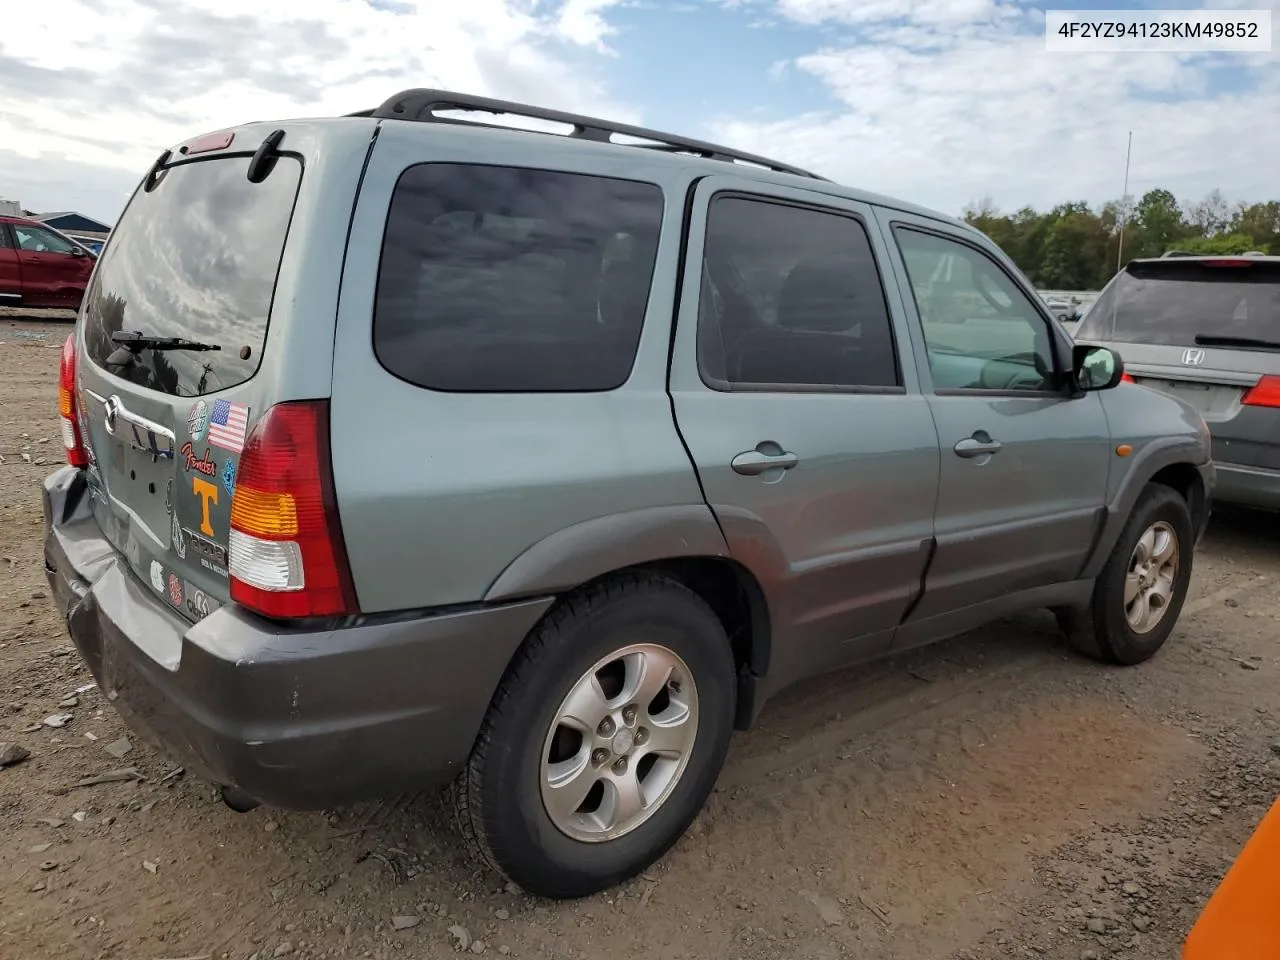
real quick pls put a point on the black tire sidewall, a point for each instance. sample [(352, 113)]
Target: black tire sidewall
[(1127, 647), (529, 847)]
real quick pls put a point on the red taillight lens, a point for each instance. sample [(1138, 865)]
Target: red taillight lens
[(1228, 262), (77, 456), (1127, 378), (287, 556), (1264, 393)]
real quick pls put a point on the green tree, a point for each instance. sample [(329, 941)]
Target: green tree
[(1074, 247), (1160, 224)]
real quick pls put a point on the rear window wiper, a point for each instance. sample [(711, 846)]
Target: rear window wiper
[(135, 340), (1210, 340)]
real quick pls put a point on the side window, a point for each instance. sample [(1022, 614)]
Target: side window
[(5, 243), (791, 296), (981, 330), (503, 279), (39, 240)]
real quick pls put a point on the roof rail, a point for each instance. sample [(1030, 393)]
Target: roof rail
[(1177, 253), (422, 104), (1255, 253)]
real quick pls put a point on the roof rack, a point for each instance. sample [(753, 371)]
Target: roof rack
[(422, 104), (1177, 253)]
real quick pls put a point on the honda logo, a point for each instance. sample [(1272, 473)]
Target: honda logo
[(1193, 357)]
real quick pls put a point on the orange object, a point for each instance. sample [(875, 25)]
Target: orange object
[(1241, 920)]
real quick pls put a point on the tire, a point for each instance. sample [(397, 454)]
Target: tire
[(501, 798), (1103, 630)]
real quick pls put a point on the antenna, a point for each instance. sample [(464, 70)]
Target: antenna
[(1123, 196)]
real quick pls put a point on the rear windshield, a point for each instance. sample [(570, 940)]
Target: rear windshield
[(1174, 302), (195, 258), (506, 279)]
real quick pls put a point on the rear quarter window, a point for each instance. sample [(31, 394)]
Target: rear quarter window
[(505, 279)]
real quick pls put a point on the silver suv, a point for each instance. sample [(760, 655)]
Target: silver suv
[(1206, 330), (405, 452)]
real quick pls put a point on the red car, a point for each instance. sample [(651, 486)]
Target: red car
[(39, 267)]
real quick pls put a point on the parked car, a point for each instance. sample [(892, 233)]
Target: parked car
[(93, 244), (406, 452), (40, 267), (1206, 330)]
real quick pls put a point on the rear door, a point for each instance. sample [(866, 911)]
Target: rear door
[(812, 442), (54, 270), (195, 258), (1024, 468), (10, 269), (1206, 331)]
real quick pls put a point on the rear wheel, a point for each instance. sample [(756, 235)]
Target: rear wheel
[(604, 738), (1140, 592)]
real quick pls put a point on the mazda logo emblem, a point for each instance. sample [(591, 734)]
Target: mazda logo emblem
[(1193, 357)]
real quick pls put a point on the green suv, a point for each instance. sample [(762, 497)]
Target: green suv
[(404, 449)]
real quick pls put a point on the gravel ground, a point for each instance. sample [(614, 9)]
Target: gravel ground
[(993, 796)]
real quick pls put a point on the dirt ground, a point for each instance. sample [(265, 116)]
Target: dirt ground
[(994, 796)]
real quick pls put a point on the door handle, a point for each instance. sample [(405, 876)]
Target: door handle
[(754, 462), (979, 445)]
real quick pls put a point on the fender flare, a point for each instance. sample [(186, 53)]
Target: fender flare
[(584, 551), (1154, 457)]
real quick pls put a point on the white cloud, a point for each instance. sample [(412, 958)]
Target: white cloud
[(107, 84), (943, 102), (937, 101)]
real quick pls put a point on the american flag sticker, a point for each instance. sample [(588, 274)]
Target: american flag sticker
[(227, 425)]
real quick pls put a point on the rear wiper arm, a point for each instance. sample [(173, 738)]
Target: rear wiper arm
[(135, 340), (1210, 340)]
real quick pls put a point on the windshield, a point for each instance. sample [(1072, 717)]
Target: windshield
[(1174, 302), (196, 258)]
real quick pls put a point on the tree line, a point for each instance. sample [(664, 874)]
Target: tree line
[(1074, 247)]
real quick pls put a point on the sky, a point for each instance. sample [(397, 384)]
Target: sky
[(944, 103)]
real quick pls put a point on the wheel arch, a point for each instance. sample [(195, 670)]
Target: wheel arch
[(683, 543), (1174, 462)]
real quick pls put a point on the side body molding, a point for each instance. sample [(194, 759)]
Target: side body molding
[(592, 548)]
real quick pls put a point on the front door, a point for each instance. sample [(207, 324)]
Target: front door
[(10, 270), (812, 442), (55, 271), (1024, 467)]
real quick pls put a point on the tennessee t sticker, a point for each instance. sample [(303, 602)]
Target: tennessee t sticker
[(206, 491)]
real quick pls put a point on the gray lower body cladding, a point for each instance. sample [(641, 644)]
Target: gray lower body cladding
[(296, 718), (1248, 486)]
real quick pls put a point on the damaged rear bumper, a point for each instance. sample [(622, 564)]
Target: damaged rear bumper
[(296, 717)]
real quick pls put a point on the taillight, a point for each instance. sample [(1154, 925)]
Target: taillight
[(77, 456), (288, 558), (1264, 393), (1127, 378), (1228, 262)]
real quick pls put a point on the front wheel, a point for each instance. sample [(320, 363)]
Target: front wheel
[(1140, 592), (604, 739)]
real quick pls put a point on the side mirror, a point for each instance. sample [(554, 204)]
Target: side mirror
[(1095, 368), (78, 252)]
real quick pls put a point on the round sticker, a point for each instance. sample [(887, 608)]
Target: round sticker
[(198, 420), (175, 590), (157, 576)]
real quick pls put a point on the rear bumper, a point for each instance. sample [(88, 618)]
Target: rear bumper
[(296, 718), (1247, 486)]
